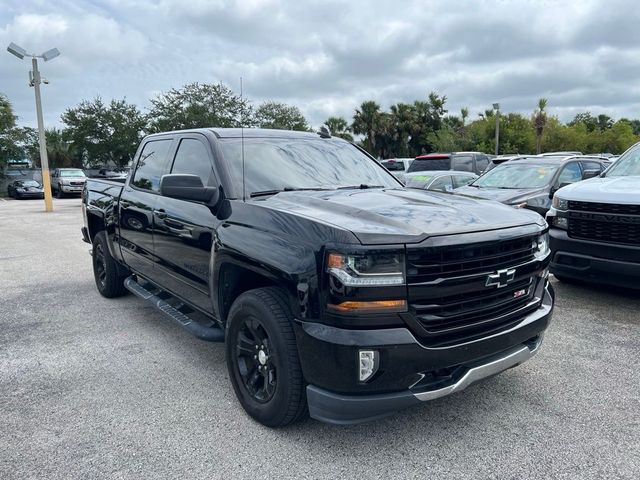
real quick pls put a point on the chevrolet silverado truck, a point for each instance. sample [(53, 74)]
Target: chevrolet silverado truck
[(595, 226), (337, 292)]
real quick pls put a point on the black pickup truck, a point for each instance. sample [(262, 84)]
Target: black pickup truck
[(336, 291), (595, 226)]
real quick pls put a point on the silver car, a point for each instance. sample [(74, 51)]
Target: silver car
[(438, 180)]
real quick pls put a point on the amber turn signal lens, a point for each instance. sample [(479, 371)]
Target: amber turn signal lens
[(335, 260), (373, 306)]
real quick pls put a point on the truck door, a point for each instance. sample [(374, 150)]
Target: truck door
[(137, 202), (183, 230)]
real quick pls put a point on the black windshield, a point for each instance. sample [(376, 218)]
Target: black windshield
[(426, 164), (301, 163)]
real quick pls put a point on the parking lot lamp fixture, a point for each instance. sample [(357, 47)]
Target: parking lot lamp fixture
[(34, 81)]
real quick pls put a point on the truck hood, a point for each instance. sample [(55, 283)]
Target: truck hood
[(504, 195), (623, 190), (386, 216)]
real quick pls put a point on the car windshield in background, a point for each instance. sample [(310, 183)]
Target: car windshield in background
[(517, 176), (301, 163), (426, 164), (28, 183), (393, 166), (418, 181), (71, 173), (626, 166)]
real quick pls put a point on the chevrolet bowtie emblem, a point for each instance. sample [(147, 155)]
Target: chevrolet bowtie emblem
[(501, 278)]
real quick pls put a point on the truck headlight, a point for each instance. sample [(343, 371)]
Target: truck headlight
[(541, 246), (379, 270), (560, 203)]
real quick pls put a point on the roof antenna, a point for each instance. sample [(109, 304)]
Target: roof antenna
[(244, 193)]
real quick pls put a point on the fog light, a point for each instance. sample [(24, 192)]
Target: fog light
[(368, 364), (560, 222)]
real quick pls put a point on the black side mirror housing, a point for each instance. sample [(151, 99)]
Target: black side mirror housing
[(189, 188), (590, 174)]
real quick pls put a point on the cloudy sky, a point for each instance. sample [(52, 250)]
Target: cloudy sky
[(327, 56)]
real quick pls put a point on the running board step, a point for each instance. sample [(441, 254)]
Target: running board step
[(211, 333)]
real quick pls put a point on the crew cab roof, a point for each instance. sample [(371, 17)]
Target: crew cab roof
[(247, 133)]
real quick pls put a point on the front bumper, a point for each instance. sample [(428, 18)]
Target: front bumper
[(71, 188), (596, 262), (405, 365)]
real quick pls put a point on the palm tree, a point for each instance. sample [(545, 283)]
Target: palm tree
[(366, 121), (339, 127), (539, 121), (464, 113), (403, 117)]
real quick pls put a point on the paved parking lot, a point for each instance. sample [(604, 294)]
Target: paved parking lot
[(97, 388)]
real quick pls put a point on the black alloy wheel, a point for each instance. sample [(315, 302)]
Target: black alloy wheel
[(255, 360), (101, 265)]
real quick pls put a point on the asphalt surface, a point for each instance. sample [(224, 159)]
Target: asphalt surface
[(97, 388)]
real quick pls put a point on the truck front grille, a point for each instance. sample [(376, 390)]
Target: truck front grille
[(609, 232), (448, 293), (604, 222), (604, 208)]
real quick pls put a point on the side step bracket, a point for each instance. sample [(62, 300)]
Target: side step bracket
[(211, 333)]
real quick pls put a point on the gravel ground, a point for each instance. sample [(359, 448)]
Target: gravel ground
[(97, 388)]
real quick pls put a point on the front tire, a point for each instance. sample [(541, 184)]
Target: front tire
[(59, 193), (262, 358), (109, 280)]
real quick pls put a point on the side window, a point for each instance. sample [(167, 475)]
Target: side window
[(442, 184), (462, 180), (193, 158), (462, 163), (150, 167), (592, 166), (570, 173), (481, 163)]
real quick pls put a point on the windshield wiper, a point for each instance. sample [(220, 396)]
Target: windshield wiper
[(285, 189), (362, 186)]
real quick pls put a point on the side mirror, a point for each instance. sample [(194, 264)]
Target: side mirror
[(188, 187), (590, 174)]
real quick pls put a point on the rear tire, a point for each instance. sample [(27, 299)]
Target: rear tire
[(262, 358), (109, 279)]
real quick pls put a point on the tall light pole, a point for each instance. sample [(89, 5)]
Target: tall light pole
[(496, 107), (34, 81)]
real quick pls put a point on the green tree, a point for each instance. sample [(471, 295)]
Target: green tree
[(339, 127), (199, 105), (403, 118), (539, 121), (464, 114), (280, 116), (367, 121), (14, 140), (102, 133)]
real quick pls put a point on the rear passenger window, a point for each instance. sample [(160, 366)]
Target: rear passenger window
[(442, 184), (150, 167), (481, 163), (462, 180), (193, 158), (592, 166), (462, 163)]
